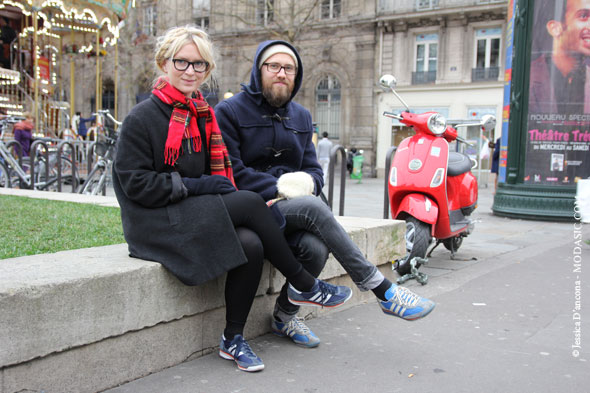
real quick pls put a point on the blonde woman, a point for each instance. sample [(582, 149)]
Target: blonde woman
[(179, 205)]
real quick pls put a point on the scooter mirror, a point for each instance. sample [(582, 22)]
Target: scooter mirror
[(488, 122), (387, 82)]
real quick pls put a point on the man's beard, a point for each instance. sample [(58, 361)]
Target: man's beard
[(276, 98)]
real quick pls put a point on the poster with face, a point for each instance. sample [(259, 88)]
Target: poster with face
[(558, 134)]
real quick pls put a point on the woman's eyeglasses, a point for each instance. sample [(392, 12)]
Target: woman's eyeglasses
[(198, 66)]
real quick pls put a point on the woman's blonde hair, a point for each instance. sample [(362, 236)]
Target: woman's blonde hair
[(175, 38)]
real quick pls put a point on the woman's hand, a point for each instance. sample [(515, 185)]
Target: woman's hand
[(206, 184)]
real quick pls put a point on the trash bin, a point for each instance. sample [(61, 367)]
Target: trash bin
[(357, 167)]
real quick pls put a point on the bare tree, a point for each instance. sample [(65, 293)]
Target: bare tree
[(284, 20)]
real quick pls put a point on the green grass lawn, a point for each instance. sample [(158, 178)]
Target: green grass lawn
[(36, 226)]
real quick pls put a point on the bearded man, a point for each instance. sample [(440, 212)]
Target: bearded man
[(269, 140)]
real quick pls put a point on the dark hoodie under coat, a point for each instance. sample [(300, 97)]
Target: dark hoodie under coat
[(263, 141)]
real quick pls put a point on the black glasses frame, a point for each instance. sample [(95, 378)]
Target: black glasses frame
[(191, 63), (281, 67)]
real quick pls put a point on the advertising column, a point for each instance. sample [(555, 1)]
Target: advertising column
[(558, 132), (545, 145)]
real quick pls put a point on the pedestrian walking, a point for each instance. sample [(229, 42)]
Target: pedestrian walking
[(324, 151)]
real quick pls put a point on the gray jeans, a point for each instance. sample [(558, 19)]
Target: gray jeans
[(311, 214)]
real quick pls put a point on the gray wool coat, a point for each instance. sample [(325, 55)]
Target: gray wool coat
[(193, 237)]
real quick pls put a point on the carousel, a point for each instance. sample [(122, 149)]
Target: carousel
[(41, 40)]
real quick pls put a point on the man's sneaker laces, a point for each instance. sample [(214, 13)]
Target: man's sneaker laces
[(406, 304)]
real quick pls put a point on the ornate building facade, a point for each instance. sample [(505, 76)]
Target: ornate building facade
[(447, 56)]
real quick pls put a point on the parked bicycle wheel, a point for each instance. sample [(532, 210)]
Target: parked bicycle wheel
[(95, 181), (15, 180), (4, 176)]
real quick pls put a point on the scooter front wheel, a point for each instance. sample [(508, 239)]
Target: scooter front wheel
[(417, 241)]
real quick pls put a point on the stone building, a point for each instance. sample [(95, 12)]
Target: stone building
[(447, 56)]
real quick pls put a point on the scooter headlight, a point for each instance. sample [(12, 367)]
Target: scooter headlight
[(437, 124), (393, 176)]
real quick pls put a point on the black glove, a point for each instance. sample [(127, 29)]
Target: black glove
[(214, 184)]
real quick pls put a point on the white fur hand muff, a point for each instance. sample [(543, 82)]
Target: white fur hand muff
[(295, 184)]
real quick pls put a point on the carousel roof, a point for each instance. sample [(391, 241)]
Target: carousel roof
[(61, 17)]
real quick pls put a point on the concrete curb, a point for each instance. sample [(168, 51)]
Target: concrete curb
[(68, 314)]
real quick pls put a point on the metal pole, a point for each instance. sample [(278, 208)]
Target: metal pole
[(116, 78), (336, 149), (388, 156), (97, 70), (72, 75), (35, 68)]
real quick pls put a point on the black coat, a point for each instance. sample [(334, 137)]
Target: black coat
[(192, 237)]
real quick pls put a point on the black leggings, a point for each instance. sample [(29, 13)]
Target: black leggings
[(260, 236)]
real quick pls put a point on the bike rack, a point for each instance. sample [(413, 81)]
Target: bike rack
[(336, 149), (33, 157), (388, 157), (60, 149), (89, 154)]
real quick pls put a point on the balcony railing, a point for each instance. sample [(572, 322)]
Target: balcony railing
[(419, 78), (485, 74), (407, 6)]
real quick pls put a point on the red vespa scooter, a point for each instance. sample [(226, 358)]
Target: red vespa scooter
[(430, 187)]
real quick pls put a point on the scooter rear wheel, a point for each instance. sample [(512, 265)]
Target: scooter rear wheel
[(417, 241), (452, 244)]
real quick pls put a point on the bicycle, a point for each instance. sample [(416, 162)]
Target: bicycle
[(43, 170), (105, 150)]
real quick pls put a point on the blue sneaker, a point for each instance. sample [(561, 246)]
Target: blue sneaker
[(405, 304), (322, 295), (239, 350), (297, 330)]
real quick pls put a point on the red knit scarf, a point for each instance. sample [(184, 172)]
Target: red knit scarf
[(183, 125)]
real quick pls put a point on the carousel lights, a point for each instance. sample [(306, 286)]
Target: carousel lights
[(15, 113), (4, 98), (18, 5), (11, 106), (9, 77)]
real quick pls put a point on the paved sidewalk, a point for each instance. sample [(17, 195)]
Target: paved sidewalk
[(508, 318), (503, 323)]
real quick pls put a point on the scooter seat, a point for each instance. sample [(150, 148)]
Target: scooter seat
[(459, 163)]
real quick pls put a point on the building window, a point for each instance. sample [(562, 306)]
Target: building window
[(487, 55), (328, 106), (150, 18), (426, 59), (426, 4), (201, 9), (330, 9), (264, 12)]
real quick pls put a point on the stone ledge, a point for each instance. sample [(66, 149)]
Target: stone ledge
[(86, 320)]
